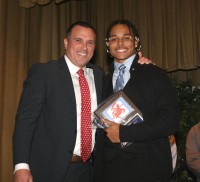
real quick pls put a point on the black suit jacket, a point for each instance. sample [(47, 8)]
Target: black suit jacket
[(46, 120), (148, 159)]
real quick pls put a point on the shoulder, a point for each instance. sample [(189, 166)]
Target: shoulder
[(42, 71), (41, 74), (96, 68), (44, 67), (150, 68), (151, 72)]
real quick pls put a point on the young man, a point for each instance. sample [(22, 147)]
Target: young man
[(148, 158)]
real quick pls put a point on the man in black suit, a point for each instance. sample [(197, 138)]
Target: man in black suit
[(148, 158), (47, 132)]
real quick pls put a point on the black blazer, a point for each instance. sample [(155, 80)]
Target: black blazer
[(45, 130), (149, 157)]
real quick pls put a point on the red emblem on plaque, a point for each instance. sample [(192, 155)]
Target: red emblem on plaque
[(117, 110)]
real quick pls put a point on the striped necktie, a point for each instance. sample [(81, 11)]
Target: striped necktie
[(120, 79)]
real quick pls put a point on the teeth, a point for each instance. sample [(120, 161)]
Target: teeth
[(121, 50), (82, 54)]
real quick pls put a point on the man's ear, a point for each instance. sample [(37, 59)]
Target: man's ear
[(65, 43), (136, 41), (137, 44)]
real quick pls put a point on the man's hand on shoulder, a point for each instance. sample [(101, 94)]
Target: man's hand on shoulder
[(144, 60), (23, 175)]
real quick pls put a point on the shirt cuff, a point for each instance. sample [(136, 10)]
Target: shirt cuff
[(21, 166)]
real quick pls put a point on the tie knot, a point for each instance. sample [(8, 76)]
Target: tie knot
[(80, 72), (122, 68)]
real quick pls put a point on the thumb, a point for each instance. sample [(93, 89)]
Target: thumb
[(140, 54), (106, 121)]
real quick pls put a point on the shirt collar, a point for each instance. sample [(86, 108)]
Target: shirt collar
[(72, 68), (128, 62)]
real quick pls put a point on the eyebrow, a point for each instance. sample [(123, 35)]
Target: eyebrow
[(123, 34)]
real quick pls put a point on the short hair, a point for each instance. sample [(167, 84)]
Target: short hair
[(80, 23), (133, 30)]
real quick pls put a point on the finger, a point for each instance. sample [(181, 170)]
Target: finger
[(105, 121)]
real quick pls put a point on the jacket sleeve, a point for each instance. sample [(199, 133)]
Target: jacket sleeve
[(30, 106), (152, 92)]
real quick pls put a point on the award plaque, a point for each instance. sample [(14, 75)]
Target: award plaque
[(119, 109)]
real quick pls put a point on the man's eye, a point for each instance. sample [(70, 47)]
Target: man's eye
[(78, 40), (91, 43), (127, 38), (113, 39)]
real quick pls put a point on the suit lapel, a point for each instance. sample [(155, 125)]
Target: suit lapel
[(134, 64), (66, 79), (98, 82)]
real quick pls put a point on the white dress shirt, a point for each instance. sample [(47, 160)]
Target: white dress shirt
[(88, 72)]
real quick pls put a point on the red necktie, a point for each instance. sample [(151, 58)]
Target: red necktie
[(86, 131)]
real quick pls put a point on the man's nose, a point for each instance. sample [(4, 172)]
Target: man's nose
[(120, 41), (84, 45)]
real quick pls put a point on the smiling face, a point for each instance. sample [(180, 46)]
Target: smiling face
[(80, 45), (121, 43)]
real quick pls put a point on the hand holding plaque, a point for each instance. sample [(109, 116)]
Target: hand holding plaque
[(119, 109)]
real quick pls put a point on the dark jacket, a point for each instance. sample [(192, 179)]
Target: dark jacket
[(45, 130), (148, 158)]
